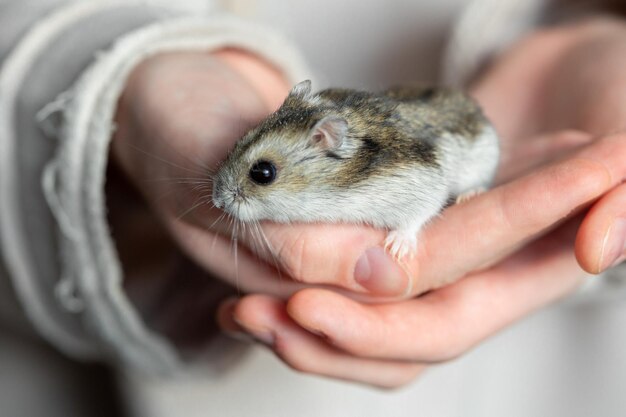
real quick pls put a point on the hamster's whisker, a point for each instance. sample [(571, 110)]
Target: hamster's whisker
[(197, 183), (164, 194), (202, 172), (216, 234), (236, 247), (251, 237), (259, 248), (193, 207), (220, 218), (233, 241), (181, 180), (202, 188), (173, 189), (199, 163), (276, 260)]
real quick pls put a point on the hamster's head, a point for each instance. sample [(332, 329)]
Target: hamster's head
[(284, 163)]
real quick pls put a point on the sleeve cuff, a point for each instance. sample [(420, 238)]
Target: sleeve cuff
[(45, 61), (485, 28)]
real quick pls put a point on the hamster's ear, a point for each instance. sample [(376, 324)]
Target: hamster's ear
[(301, 90), (329, 133)]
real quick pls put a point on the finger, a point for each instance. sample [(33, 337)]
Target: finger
[(446, 322), (266, 320), (477, 233), (601, 240), (326, 254), (224, 258), (493, 225)]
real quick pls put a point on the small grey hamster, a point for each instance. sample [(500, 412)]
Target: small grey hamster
[(390, 159)]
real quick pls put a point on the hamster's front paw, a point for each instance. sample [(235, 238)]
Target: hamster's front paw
[(401, 243), (468, 195)]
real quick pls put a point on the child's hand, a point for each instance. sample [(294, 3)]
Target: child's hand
[(549, 82)]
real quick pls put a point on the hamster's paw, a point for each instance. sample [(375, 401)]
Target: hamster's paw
[(468, 195), (401, 243)]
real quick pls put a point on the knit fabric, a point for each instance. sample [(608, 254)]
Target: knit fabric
[(77, 302), (78, 171)]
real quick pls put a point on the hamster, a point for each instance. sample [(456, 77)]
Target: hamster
[(391, 159)]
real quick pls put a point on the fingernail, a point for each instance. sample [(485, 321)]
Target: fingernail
[(378, 273), (239, 336), (225, 314), (232, 327), (264, 336), (226, 321), (614, 248)]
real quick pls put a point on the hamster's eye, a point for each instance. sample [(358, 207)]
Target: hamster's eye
[(263, 172)]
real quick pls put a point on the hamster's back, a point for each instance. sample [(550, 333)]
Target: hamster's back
[(430, 113)]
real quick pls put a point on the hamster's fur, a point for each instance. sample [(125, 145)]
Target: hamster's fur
[(390, 159)]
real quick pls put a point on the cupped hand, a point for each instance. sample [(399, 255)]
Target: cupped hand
[(540, 221), (577, 82), (322, 332), (518, 95), (179, 116)]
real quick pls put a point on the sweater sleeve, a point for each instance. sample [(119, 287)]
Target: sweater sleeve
[(487, 27), (61, 76)]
